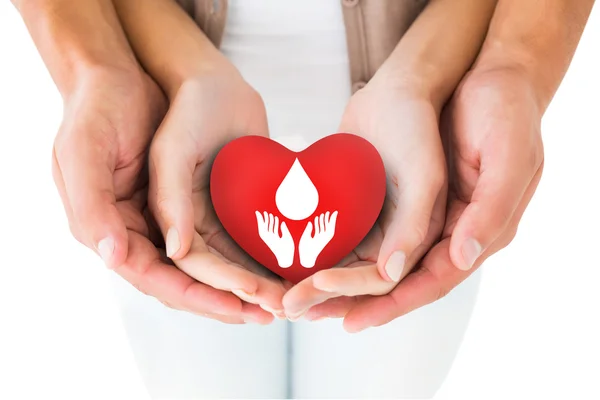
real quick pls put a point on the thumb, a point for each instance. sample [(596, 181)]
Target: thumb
[(85, 176), (499, 189), (409, 229), (172, 165)]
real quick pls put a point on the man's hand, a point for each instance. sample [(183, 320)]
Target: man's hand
[(494, 149), (99, 153)]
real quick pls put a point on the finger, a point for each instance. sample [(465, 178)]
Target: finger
[(144, 270), (252, 313), (434, 279), (301, 297), (337, 307), (271, 223), (210, 269), (171, 167), (510, 232), (317, 230), (353, 280), (306, 294), (410, 227), (87, 167), (269, 291), (60, 186), (321, 224), (500, 187), (276, 227), (327, 220)]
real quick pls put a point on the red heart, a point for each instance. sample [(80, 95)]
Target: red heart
[(347, 172)]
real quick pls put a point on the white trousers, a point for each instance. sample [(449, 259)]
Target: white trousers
[(297, 59), (183, 356)]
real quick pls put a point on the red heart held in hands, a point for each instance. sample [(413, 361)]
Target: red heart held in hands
[(297, 213)]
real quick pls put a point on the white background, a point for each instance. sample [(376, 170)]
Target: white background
[(535, 331)]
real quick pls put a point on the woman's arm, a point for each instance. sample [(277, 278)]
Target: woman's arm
[(75, 38), (539, 40), (168, 43), (439, 48)]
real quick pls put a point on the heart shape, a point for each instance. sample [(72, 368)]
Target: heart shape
[(297, 213)]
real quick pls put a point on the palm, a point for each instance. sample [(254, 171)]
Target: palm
[(494, 153), (204, 117), (405, 132), (399, 129)]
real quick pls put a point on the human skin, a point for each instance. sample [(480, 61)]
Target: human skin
[(492, 138), (416, 85), (210, 105), (398, 112), (111, 111)]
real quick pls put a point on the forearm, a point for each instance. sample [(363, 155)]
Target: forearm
[(168, 43), (439, 48), (76, 37), (535, 37)]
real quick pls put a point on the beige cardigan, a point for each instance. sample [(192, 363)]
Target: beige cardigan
[(373, 29)]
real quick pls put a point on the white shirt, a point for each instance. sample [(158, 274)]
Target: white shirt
[(294, 53)]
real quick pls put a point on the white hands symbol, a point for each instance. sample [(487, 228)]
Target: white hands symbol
[(281, 246), (311, 246)]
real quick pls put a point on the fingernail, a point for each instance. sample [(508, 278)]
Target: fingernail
[(173, 243), (277, 313), (295, 317), (395, 265), (106, 248), (249, 320), (242, 294), (471, 250)]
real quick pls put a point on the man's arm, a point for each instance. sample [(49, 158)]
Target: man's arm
[(439, 48), (77, 37), (151, 26), (535, 37)]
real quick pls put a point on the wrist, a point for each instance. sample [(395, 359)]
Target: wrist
[(409, 84), (212, 71), (518, 63)]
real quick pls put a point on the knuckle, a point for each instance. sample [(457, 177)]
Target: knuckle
[(421, 231), (442, 291), (161, 197)]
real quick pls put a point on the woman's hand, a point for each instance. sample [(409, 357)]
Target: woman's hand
[(492, 136), (207, 112), (403, 126)]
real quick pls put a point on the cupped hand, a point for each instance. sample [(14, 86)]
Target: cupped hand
[(495, 154), (404, 128), (205, 114), (99, 161)]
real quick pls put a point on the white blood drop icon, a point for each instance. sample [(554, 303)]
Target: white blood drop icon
[(297, 197)]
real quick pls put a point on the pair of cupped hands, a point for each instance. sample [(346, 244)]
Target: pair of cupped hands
[(132, 169)]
